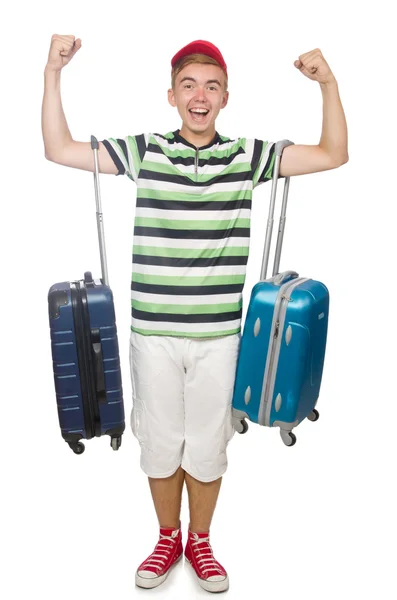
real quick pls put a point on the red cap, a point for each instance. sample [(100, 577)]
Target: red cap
[(200, 47)]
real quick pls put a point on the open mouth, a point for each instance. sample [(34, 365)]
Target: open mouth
[(199, 114)]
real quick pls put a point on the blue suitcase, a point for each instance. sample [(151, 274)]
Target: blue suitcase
[(85, 352), (282, 349)]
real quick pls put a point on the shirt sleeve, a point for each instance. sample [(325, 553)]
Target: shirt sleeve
[(127, 153), (263, 159)]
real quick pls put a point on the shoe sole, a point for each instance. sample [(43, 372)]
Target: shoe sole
[(211, 586), (146, 583)]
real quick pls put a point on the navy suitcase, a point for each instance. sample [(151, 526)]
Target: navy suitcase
[(85, 352), (282, 348)]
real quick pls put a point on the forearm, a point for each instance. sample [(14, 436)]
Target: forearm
[(334, 132), (54, 126)]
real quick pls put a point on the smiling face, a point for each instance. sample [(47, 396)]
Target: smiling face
[(199, 94)]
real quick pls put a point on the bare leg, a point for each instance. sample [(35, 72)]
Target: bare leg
[(167, 498), (202, 502)]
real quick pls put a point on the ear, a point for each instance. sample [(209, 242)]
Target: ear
[(171, 97), (225, 99)]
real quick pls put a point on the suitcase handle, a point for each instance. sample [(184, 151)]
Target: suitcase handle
[(279, 147), (99, 215), (284, 277), (98, 365)]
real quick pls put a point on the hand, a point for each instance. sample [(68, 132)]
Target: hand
[(314, 66), (62, 50)]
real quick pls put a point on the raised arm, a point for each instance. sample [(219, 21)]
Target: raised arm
[(331, 152), (59, 145)]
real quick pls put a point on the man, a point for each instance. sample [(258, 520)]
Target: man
[(191, 240)]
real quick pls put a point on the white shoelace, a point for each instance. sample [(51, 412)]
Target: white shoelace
[(212, 564), (162, 555)]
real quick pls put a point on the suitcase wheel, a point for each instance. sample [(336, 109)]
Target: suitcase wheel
[(288, 437), (77, 448), (115, 442), (244, 425), (314, 415), (240, 425)]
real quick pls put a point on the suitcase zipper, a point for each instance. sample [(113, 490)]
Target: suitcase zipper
[(93, 398), (276, 341), (272, 359), (82, 326), (270, 353)]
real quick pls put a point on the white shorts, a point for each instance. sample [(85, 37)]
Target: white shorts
[(182, 392)]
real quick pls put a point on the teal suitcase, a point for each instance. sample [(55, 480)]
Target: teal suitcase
[(282, 349)]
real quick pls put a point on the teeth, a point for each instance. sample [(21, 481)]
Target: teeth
[(199, 110)]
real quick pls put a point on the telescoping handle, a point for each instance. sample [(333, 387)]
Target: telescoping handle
[(269, 230), (99, 215)]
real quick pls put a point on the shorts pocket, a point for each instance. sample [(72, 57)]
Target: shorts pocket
[(138, 424), (227, 432), (229, 428), (146, 367), (223, 368)]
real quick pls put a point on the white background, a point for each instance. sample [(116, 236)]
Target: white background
[(313, 521)]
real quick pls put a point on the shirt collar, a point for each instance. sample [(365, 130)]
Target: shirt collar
[(216, 140)]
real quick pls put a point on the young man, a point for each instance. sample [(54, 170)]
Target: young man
[(191, 240)]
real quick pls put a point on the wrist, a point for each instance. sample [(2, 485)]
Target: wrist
[(51, 72), (331, 83)]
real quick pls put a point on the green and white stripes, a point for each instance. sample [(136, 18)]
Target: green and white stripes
[(191, 229)]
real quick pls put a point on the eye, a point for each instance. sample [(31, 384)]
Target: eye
[(188, 85), (212, 87)]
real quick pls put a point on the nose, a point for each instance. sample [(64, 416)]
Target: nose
[(200, 94)]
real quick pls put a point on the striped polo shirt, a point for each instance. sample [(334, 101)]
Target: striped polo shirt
[(191, 229)]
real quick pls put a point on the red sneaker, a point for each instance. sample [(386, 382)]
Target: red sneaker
[(210, 573), (168, 551)]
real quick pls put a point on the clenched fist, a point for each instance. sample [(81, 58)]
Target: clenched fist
[(62, 50), (314, 66)]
